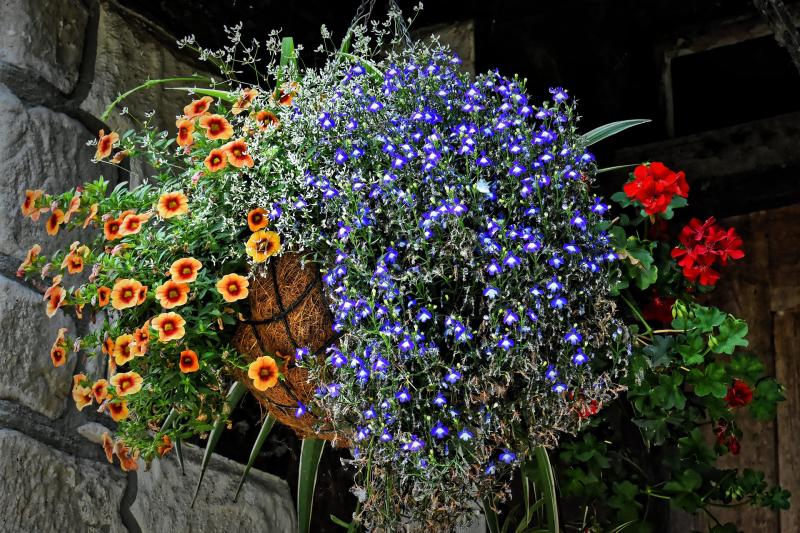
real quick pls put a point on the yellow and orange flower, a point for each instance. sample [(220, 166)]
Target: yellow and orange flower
[(244, 101), (263, 244), (257, 219), (103, 296), (80, 392), (30, 257), (141, 339), (172, 204), (111, 229), (73, 262), (55, 296), (237, 154), (118, 410), (169, 326), (189, 362), (286, 93), (120, 156), (127, 462), (264, 372), (132, 223), (108, 446), (73, 207), (125, 294), (233, 287), (92, 215), (29, 204), (266, 119), (123, 349), (126, 383), (100, 390), (58, 353), (216, 160), (172, 294), (54, 222), (185, 270), (165, 447), (141, 295), (105, 144), (216, 126), (185, 132), (108, 346), (198, 107)]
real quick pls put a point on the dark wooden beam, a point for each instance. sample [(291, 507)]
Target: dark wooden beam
[(780, 20)]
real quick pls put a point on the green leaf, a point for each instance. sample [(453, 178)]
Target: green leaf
[(732, 333), (266, 427), (147, 85), (310, 454), (659, 354), (684, 487), (691, 349), (287, 52), (639, 262), (668, 394), (612, 128), (621, 198), (765, 399), (706, 318), (746, 366), (547, 484), (179, 455), (225, 96), (492, 520), (713, 380), (695, 445), (232, 400)]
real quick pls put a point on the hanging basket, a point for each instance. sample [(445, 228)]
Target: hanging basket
[(288, 311)]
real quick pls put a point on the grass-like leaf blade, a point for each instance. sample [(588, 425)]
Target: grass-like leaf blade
[(310, 454), (612, 128), (266, 427)]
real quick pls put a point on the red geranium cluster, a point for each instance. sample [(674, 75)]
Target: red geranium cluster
[(726, 437), (739, 394), (654, 186), (703, 245)]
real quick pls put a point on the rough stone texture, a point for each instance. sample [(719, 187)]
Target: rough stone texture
[(44, 37), (131, 50), (164, 496), (45, 490), (39, 149), (28, 375), (459, 36)]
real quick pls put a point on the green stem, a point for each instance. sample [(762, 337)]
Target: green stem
[(635, 310), (147, 85)]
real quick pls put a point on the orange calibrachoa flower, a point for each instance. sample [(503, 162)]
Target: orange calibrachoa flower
[(100, 390), (29, 204), (120, 156), (287, 92), (108, 446), (141, 295), (81, 393), (185, 270), (217, 160), (244, 101), (172, 204), (172, 294), (141, 339), (118, 410), (58, 353), (54, 222), (198, 107), (132, 223), (73, 262), (185, 131), (127, 462), (264, 372), (111, 229), (122, 349), (103, 296), (108, 346), (263, 244), (237, 154), (126, 383), (257, 219), (169, 326), (30, 257), (55, 296), (165, 447), (72, 208), (189, 362), (266, 119), (233, 287), (125, 294), (105, 143), (216, 126), (91, 215)]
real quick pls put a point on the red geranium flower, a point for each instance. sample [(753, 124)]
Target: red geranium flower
[(654, 186), (739, 394), (659, 309), (703, 244)]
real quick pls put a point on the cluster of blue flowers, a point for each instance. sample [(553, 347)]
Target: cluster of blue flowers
[(466, 262)]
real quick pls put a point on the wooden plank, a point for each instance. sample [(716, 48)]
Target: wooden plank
[(783, 235), (787, 370)]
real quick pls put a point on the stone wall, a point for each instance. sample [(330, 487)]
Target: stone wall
[(61, 63)]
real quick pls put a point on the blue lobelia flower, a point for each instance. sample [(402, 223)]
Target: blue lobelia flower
[(439, 430)]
